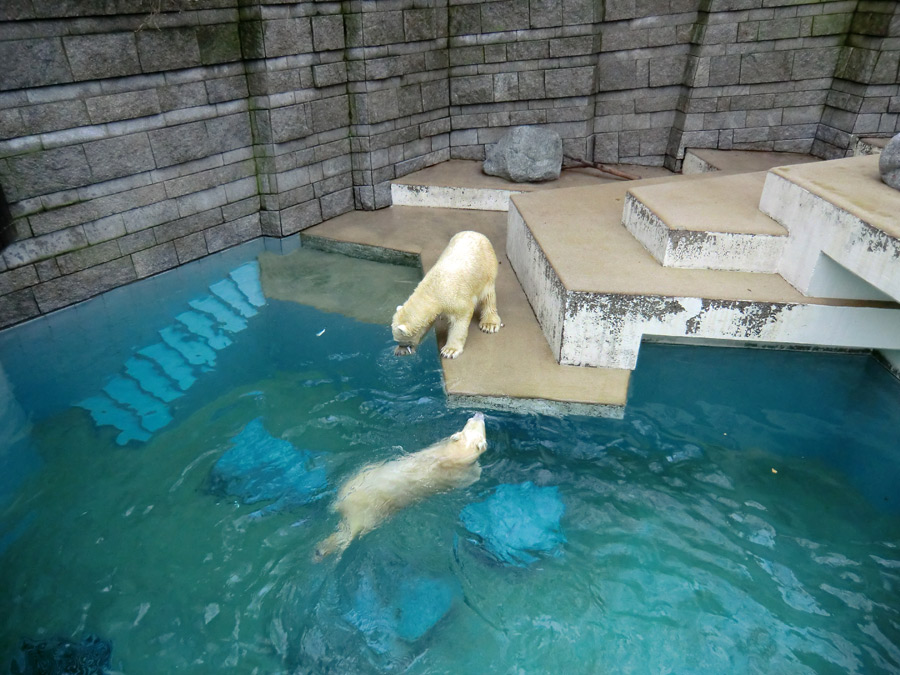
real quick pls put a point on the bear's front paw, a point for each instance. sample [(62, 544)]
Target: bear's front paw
[(404, 350), (490, 325), (449, 352)]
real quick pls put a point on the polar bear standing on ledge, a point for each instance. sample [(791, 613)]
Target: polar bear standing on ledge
[(463, 277), (380, 490)]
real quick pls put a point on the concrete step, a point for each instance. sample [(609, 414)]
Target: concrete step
[(205, 327), (229, 292), (708, 222), (597, 292), (171, 363), (106, 412), (153, 413), (226, 317), (869, 145), (841, 218), (248, 282), (195, 351), (461, 184), (702, 160)]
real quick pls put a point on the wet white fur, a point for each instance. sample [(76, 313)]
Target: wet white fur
[(462, 278), (379, 490)]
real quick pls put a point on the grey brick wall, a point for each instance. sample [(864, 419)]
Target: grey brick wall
[(864, 99), (132, 141)]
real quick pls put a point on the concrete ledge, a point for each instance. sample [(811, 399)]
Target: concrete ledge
[(704, 160), (540, 282), (598, 292), (840, 209), (706, 223), (461, 184), (597, 336), (481, 199), (533, 406)]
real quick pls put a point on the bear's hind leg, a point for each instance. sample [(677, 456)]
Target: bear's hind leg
[(336, 543), (490, 320), (456, 336)]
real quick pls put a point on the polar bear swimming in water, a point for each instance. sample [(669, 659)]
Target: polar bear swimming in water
[(463, 277), (378, 491)]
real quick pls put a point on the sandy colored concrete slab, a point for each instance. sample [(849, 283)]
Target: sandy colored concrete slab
[(463, 173), (581, 234), (750, 160), (711, 203), (876, 141), (855, 185), (515, 363)]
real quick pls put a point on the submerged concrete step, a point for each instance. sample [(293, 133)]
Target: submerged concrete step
[(203, 326), (153, 413), (171, 362), (136, 401), (222, 313), (151, 379), (706, 223), (106, 412), (597, 291)]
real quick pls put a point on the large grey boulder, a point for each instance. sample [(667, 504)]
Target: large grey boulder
[(525, 155), (889, 163)]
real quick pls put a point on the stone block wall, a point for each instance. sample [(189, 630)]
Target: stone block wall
[(138, 135), (515, 63), (864, 98), (396, 62)]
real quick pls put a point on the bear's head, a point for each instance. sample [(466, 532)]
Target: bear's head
[(406, 337), (466, 446)]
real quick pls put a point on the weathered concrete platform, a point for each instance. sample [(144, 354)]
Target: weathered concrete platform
[(576, 288), (598, 292), (837, 212), (511, 368)]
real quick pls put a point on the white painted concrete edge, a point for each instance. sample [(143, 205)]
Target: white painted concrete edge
[(646, 227), (596, 336), (479, 199), (538, 279), (817, 226)]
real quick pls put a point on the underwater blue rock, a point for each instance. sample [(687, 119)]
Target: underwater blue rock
[(262, 468), (516, 522), (406, 608), (372, 612), (62, 657)]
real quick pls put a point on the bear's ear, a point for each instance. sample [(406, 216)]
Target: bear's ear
[(456, 436), (399, 307)]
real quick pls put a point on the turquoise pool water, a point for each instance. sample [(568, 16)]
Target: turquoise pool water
[(742, 517)]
